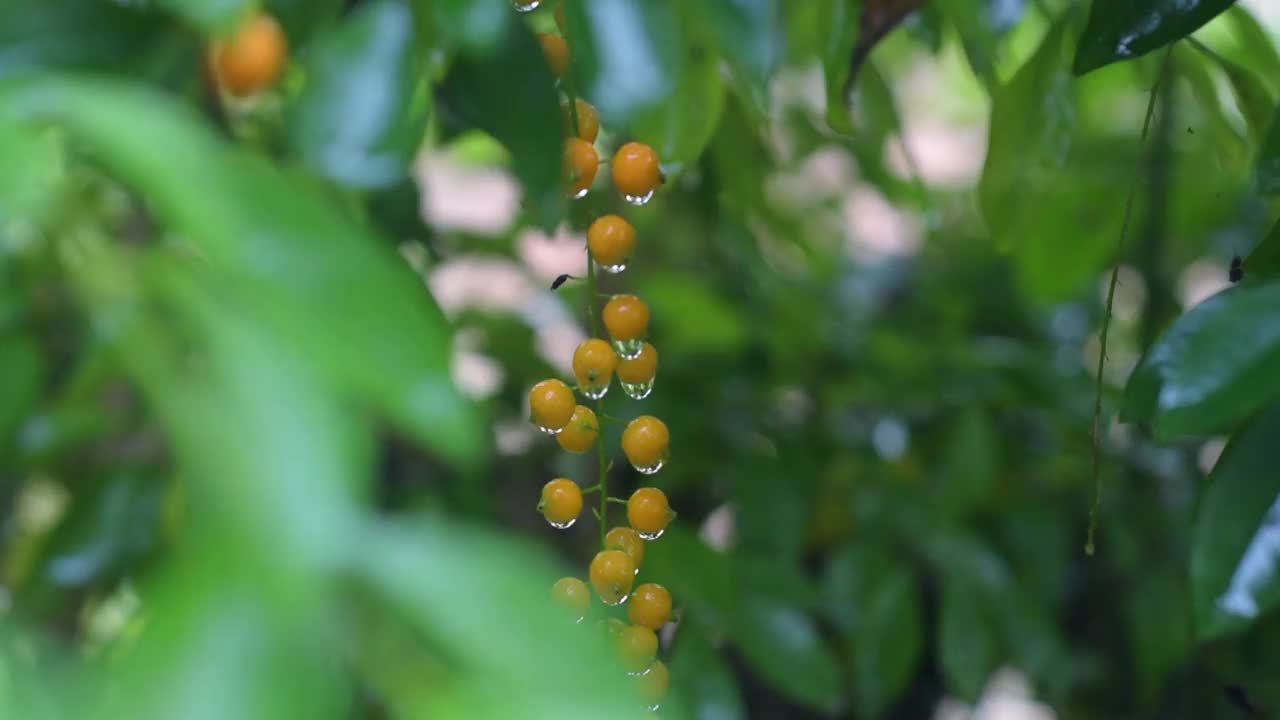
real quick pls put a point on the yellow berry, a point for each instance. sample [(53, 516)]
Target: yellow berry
[(551, 405), (610, 238), (612, 573), (648, 512), (635, 170), (644, 442), (654, 683), (637, 647), (561, 502), (581, 432), (628, 541), (640, 369), (556, 51), (650, 606), (588, 120), (580, 162), (252, 58), (626, 317), (593, 364), (572, 594)]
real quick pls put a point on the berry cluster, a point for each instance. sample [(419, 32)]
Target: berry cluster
[(554, 408)]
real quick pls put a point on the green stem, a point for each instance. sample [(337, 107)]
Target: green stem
[(620, 501), (1106, 316)]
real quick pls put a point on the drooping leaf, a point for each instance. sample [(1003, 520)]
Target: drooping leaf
[(1235, 544), (361, 114), (480, 91), (1124, 29), (1215, 365), (838, 34), (749, 35)]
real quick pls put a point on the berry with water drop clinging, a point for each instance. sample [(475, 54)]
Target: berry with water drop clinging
[(628, 541), (551, 405), (611, 239), (648, 512), (645, 442), (593, 363), (612, 573), (561, 502), (650, 606), (636, 171), (637, 646), (580, 163), (581, 432)]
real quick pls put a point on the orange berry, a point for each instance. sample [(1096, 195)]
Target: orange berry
[(648, 512), (580, 162), (626, 317), (611, 239), (635, 170), (252, 58), (561, 502), (588, 120), (612, 573), (644, 442), (641, 368), (581, 432), (572, 594), (551, 405), (650, 606), (556, 51), (637, 647), (654, 683), (628, 541), (593, 364)]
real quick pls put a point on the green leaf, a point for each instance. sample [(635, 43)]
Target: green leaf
[(34, 167), (1160, 636), (1252, 95), (70, 34), (749, 34), (1216, 364), (838, 33), (968, 644), (1235, 544), (1229, 144), (1029, 141), (362, 111), (1257, 47), (213, 16), (481, 90), (1124, 29), (970, 463), (473, 26), (701, 676), (784, 645), (1263, 260), (303, 18), (693, 318), (323, 281), (874, 599), (680, 128), (21, 378), (1268, 173), (628, 56)]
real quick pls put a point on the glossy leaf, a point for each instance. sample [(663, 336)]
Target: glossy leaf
[(480, 91), (1268, 178), (1124, 29), (386, 344), (362, 111), (627, 55), (1215, 365), (749, 35), (968, 644), (1235, 544)]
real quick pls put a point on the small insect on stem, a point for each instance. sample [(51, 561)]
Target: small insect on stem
[(1236, 273), (562, 279)]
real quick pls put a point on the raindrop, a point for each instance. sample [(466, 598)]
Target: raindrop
[(526, 6), (639, 199), (550, 431), (619, 601), (563, 525), (637, 391), (638, 673), (654, 707), (580, 194), (595, 392), (628, 349), (651, 535), (649, 470), (613, 269)]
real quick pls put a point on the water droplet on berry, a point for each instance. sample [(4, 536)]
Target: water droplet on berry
[(619, 601), (580, 194), (526, 6), (613, 269), (654, 707), (651, 535), (595, 392), (550, 431), (628, 349), (649, 470), (637, 391), (638, 199), (563, 525)]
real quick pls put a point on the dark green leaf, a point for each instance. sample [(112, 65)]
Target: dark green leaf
[(1263, 260), (363, 109), (1235, 544), (21, 375), (303, 18), (1258, 50), (321, 279), (213, 16), (680, 128), (694, 320), (968, 643), (480, 91), (970, 463), (474, 26), (69, 34), (838, 34), (749, 37), (1160, 634), (701, 676), (784, 645), (1123, 29), (1213, 366), (1268, 180)]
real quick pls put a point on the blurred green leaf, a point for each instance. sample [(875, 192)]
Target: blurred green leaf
[(875, 599), (1257, 45), (969, 464), (321, 280), (1263, 260), (749, 37), (481, 90), (1229, 145), (1268, 180), (692, 318), (1029, 142), (105, 529), (701, 676), (214, 16), (363, 108), (1216, 364), (628, 55), (474, 26), (1235, 544), (1124, 29), (70, 34), (838, 28), (34, 166), (980, 23), (784, 645), (21, 376), (968, 645), (680, 128), (1158, 614), (1252, 95), (304, 18)]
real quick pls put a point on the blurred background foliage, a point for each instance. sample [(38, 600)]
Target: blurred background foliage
[(262, 363)]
